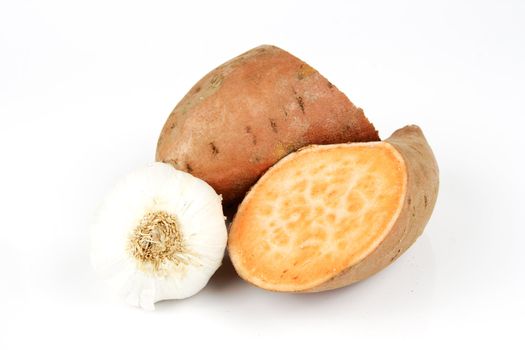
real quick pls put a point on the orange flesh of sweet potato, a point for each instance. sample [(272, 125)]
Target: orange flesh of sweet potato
[(327, 216), (248, 113)]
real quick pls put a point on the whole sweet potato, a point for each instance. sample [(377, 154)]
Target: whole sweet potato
[(248, 113)]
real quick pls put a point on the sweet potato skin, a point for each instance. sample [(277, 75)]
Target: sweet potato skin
[(248, 113), (422, 190)]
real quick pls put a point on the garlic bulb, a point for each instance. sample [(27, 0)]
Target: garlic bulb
[(160, 234)]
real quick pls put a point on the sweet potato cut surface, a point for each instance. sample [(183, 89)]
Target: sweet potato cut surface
[(327, 216), (248, 113)]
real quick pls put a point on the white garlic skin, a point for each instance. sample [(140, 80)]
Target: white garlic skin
[(198, 209)]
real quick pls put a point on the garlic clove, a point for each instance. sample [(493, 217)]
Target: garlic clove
[(160, 234)]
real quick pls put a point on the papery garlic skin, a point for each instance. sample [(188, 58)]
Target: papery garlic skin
[(200, 223)]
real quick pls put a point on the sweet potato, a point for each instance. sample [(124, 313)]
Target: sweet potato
[(248, 113), (327, 216)]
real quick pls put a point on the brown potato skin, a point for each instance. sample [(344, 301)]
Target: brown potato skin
[(422, 189), (248, 113)]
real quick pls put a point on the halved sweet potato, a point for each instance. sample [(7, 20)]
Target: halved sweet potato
[(248, 113), (327, 216)]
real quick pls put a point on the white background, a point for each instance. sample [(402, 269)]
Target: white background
[(85, 88)]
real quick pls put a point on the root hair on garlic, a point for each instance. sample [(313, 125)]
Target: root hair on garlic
[(157, 239)]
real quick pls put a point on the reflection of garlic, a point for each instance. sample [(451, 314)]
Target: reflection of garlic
[(160, 235)]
